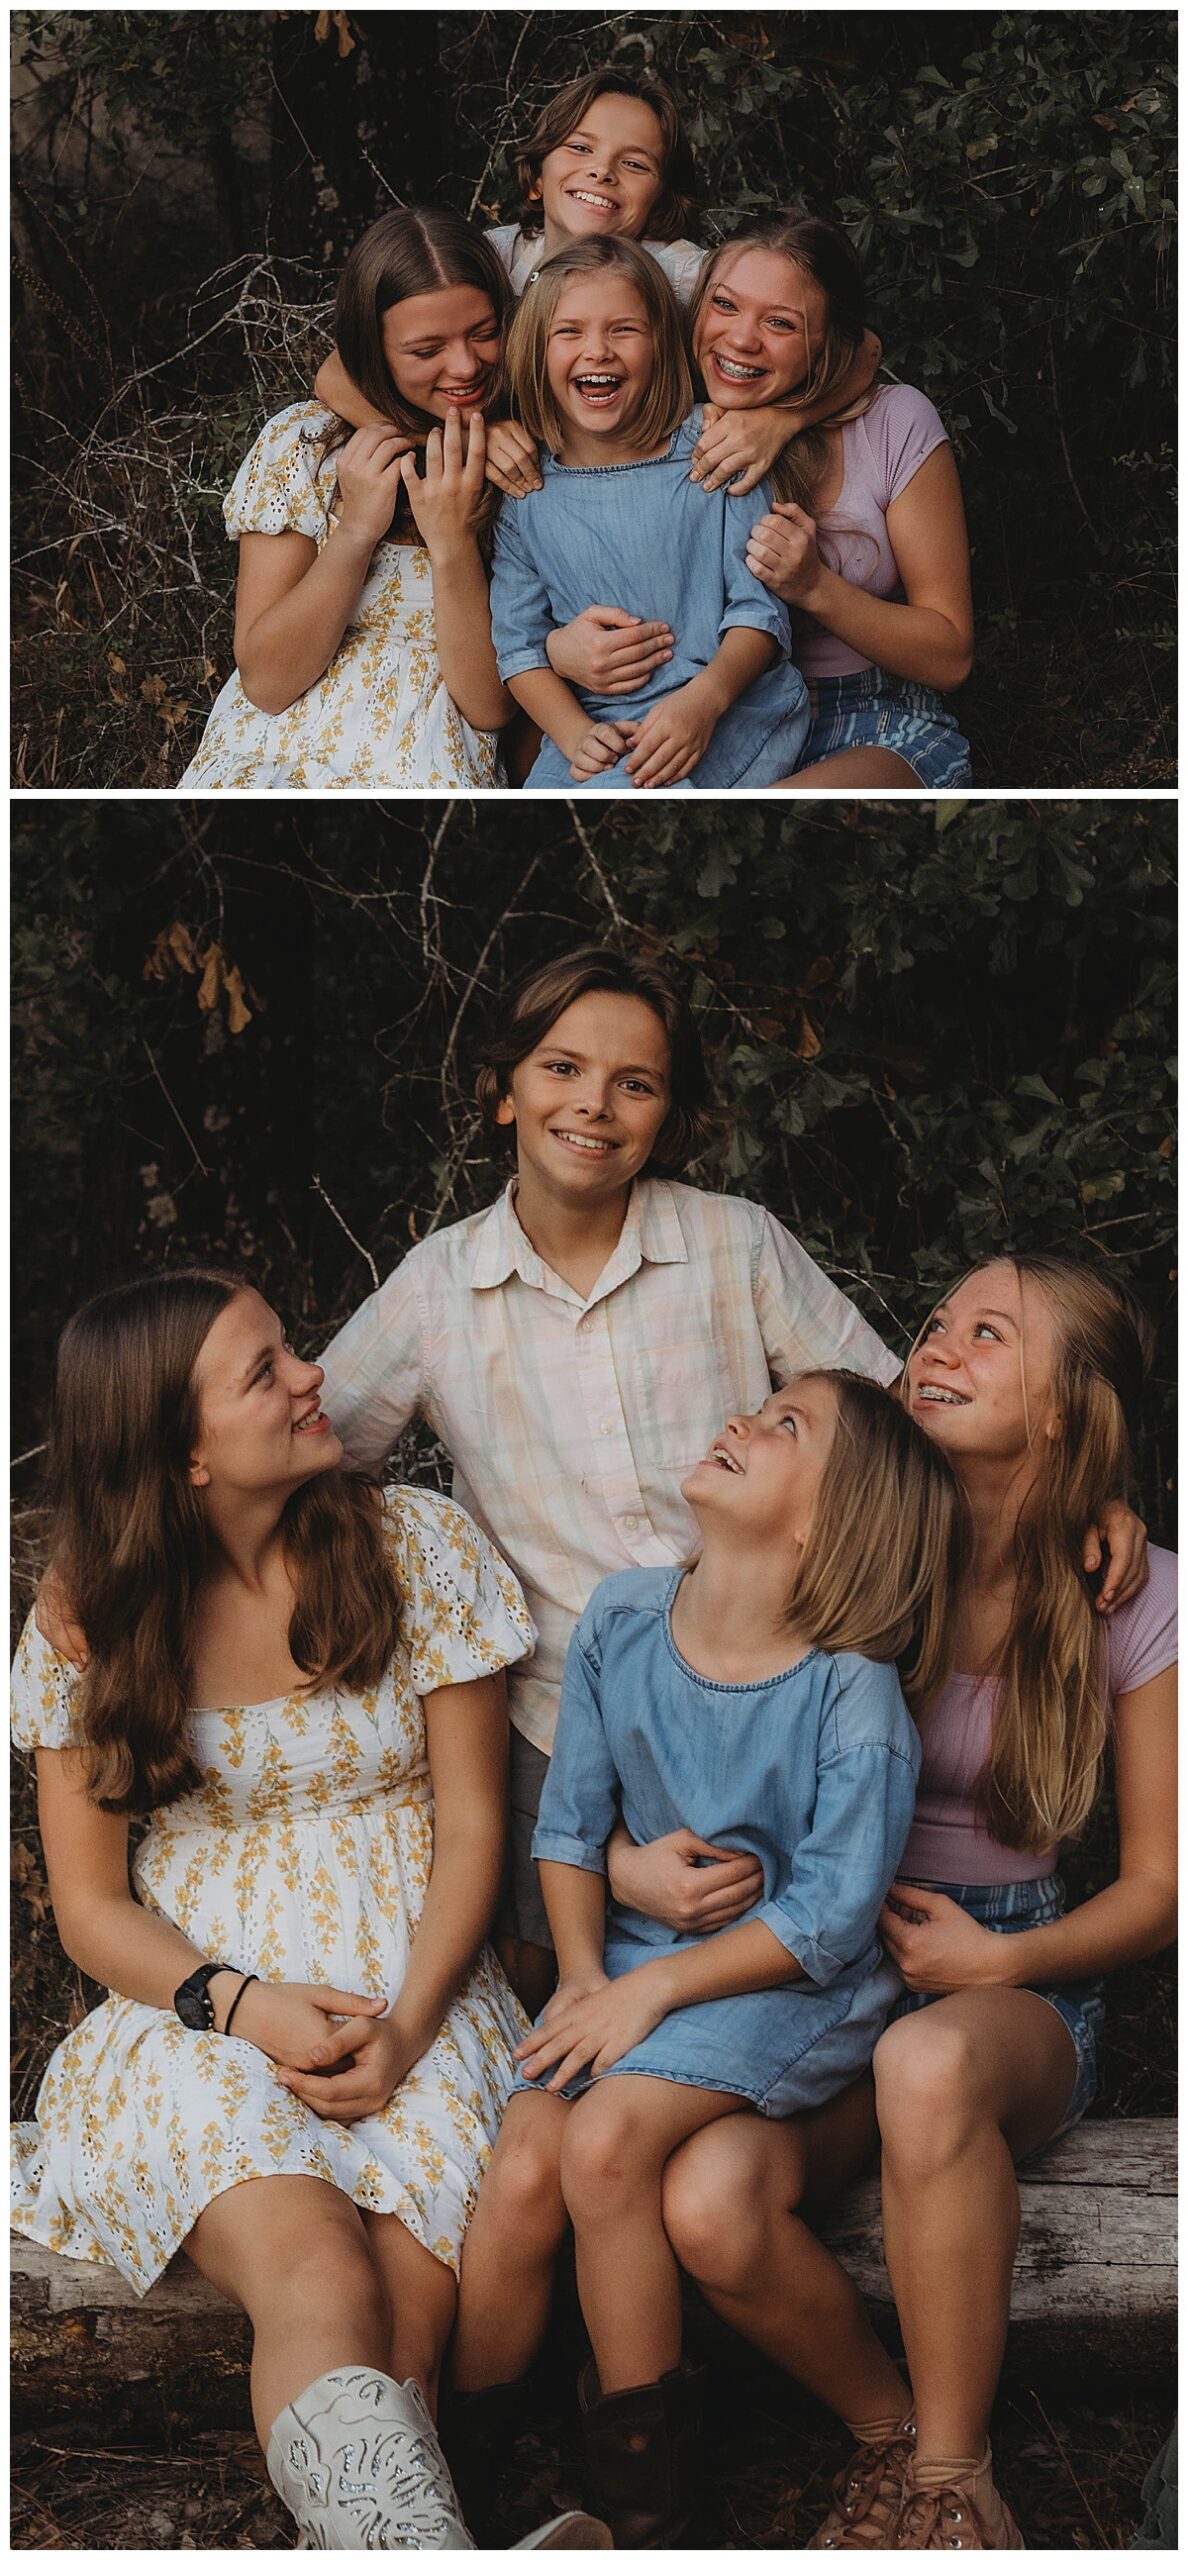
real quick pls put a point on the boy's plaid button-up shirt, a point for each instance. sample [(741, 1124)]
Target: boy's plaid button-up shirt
[(571, 1424)]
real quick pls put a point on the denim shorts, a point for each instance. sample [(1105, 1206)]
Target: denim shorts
[(1030, 1904), (871, 709)]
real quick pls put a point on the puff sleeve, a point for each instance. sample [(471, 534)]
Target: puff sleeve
[(44, 1687), (464, 1612), (287, 483)]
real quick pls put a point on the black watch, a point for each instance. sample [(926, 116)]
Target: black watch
[(192, 2000)]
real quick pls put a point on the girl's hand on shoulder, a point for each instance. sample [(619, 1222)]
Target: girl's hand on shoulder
[(737, 447), (513, 462), (671, 738), (368, 466), (446, 501), (938, 1946), (290, 2021), (685, 1882), (601, 747), (782, 553), (606, 651), (1119, 1529), (595, 2029)]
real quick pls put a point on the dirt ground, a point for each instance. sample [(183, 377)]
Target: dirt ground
[(1073, 2444)]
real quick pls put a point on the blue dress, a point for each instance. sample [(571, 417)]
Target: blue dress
[(814, 1770), (643, 536)]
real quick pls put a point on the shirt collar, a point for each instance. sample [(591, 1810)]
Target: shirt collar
[(651, 1233)]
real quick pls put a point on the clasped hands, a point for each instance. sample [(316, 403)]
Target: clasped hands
[(342, 2052)]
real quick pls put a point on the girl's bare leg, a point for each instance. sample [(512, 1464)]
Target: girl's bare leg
[(506, 2289), (733, 2199), (964, 2089), (422, 2296), (854, 769), (616, 2146), (294, 2254)]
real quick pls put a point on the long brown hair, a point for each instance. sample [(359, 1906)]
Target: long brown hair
[(669, 396), (565, 113), (131, 1543), (540, 999), (413, 249), (827, 257), (887, 1541), (1052, 1717)]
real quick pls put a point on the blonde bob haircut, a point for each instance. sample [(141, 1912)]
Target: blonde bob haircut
[(669, 395), (887, 1542), (1051, 1721)]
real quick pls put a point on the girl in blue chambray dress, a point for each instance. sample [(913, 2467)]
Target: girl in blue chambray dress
[(755, 1699), (598, 371)]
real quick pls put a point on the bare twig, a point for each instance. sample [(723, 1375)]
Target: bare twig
[(202, 1167), (319, 1186)]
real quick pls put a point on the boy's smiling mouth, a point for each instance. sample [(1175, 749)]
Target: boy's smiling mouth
[(586, 1145), (597, 203)]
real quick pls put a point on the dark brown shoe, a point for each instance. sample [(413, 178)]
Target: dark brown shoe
[(641, 2451)]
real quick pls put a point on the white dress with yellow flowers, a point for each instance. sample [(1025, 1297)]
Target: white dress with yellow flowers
[(380, 718), (304, 1856)]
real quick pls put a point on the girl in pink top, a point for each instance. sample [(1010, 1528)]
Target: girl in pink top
[(1026, 1376), (866, 538)]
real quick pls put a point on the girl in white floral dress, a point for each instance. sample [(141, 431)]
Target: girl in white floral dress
[(301, 2067), (362, 633)]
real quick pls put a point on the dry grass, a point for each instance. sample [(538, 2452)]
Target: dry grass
[(122, 573)]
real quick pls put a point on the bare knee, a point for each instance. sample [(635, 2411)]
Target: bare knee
[(603, 2158), (927, 2091), (524, 2180), (722, 2194), (277, 2245)]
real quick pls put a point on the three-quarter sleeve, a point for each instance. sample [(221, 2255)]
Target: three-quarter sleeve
[(375, 1368), (748, 604), (579, 1800), (806, 1321), (44, 1692), (287, 482), (464, 1613), (521, 615), (824, 1912)]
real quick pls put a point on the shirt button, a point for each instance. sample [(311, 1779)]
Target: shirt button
[(606, 1429), (630, 1520)]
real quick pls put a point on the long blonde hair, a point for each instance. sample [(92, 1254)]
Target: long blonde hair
[(669, 396), (826, 256), (1051, 1723), (887, 1542)]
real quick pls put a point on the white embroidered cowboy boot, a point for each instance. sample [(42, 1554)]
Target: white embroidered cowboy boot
[(356, 2461)]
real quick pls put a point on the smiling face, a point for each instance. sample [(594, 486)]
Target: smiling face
[(761, 1475), (589, 1102), (760, 329), (261, 1428), (599, 357), (442, 349), (980, 1377), (606, 176)]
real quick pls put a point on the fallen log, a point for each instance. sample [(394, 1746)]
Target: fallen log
[(1096, 2263)]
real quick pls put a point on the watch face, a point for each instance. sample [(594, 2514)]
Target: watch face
[(192, 2002)]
